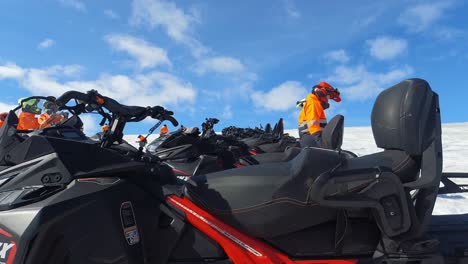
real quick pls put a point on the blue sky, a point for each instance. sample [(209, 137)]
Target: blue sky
[(244, 62)]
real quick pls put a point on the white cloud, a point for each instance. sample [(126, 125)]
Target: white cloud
[(280, 98), (10, 70), (75, 4), (146, 54), (361, 84), (291, 9), (421, 17), (6, 107), (177, 23), (153, 88), (46, 43), (386, 48), (336, 56), (221, 64), (111, 14), (227, 112)]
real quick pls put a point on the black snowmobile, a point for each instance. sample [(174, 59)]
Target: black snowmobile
[(189, 153), (66, 200), (262, 141), (332, 138)]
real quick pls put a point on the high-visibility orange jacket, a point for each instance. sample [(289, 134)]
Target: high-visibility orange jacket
[(1, 123), (45, 120), (27, 121), (163, 130), (314, 116)]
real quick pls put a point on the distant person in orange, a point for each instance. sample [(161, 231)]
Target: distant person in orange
[(27, 118), (313, 114), (50, 117), (2, 118), (164, 130)]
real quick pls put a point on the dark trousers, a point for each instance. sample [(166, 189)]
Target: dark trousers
[(314, 140)]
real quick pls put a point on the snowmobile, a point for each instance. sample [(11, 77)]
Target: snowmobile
[(66, 200), (332, 138), (188, 153), (262, 141)]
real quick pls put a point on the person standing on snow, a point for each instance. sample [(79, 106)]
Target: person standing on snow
[(312, 116)]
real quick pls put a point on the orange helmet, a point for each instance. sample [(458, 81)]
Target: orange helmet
[(104, 128), (324, 89)]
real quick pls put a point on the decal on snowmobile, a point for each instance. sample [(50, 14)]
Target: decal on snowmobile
[(7, 248), (129, 224), (101, 181), (184, 178), (217, 228)]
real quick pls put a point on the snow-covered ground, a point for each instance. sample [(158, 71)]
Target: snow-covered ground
[(455, 150)]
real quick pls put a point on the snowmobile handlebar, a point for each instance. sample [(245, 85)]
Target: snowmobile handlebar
[(132, 113)]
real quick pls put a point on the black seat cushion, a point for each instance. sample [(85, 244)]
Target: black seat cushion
[(279, 146), (261, 200), (399, 162), (287, 155)]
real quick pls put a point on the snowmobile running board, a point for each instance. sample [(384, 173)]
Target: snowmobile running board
[(452, 187)]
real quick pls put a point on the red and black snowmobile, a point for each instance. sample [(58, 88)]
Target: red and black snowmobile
[(65, 199)]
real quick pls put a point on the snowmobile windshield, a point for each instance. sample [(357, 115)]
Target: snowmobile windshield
[(156, 144), (39, 112)]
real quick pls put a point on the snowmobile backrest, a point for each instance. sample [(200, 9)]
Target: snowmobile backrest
[(332, 133), (280, 129), (403, 117), (407, 117)]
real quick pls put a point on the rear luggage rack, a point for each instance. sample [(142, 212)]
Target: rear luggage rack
[(452, 187)]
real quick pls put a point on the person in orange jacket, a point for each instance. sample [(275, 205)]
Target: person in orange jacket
[(2, 118), (50, 117), (27, 118), (164, 130), (313, 114)]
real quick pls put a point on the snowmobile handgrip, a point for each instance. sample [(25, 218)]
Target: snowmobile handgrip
[(172, 120), (158, 112), (128, 111), (67, 96)]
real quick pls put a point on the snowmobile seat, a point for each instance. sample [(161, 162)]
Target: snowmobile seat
[(279, 146), (332, 133), (262, 199), (263, 158)]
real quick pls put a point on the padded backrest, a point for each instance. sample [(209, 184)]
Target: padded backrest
[(332, 133), (268, 128), (278, 130), (403, 117)]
